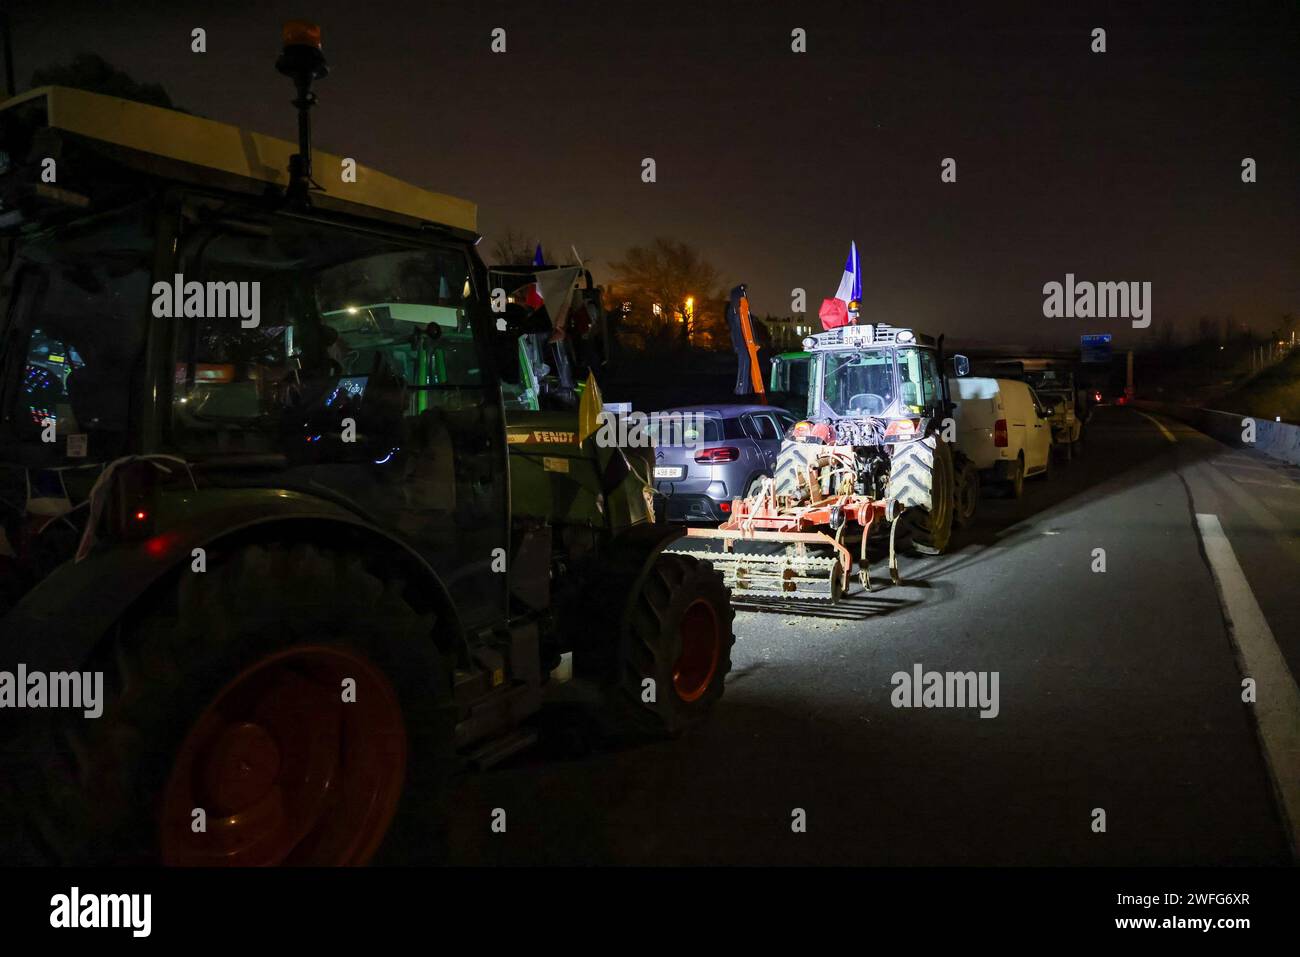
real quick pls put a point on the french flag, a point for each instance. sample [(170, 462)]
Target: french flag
[(835, 312), (533, 295)]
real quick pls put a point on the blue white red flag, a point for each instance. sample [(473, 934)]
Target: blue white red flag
[(835, 311)]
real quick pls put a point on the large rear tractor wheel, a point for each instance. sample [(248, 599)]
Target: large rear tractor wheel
[(284, 707), (675, 650), (921, 479), (790, 475)]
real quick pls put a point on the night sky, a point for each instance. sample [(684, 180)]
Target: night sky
[(1117, 166)]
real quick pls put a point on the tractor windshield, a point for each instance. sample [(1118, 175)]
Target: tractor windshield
[(859, 383), (350, 363), (347, 327)]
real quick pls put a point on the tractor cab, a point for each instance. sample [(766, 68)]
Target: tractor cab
[(165, 294), (788, 382), (874, 383), (551, 335)]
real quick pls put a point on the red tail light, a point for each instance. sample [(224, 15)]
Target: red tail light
[(1000, 433), (725, 506), (718, 455)]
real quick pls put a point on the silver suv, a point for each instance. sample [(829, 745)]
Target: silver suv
[(699, 470)]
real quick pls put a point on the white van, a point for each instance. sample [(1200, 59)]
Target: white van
[(1003, 429)]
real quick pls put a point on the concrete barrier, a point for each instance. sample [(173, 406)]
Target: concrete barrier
[(1278, 439)]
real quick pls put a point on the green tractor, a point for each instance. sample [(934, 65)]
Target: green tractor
[(274, 563), (788, 382), (875, 453), (547, 353)]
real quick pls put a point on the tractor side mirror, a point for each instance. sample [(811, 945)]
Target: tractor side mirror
[(960, 366)]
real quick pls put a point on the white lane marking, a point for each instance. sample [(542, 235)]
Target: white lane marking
[(1159, 425), (1277, 705)]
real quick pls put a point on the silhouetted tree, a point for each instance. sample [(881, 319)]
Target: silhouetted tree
[(516, 249), (667, 273)]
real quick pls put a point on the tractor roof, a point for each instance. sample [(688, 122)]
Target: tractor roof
[(196, 144), (864, 337)]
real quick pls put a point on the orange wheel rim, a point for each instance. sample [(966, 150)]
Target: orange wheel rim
[(285, 770), (701, 643)]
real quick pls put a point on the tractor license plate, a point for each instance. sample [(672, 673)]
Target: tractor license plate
[(670, 471)]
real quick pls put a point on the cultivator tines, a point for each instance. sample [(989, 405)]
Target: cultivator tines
[(770, 547), (772, 564), (807, 576)]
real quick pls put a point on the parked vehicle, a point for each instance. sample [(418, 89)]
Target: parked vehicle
[(1003, 428), (788, 382), (870, 457), (1053, 381), (252, 517), (706, 456), (1067, 428), (540, 370), (1056, 390)]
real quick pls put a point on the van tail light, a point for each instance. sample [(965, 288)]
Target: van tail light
[(902, 429), (1000, 433), (717, 455)]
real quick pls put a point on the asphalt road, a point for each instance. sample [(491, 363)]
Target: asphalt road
[(1119, 691)]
